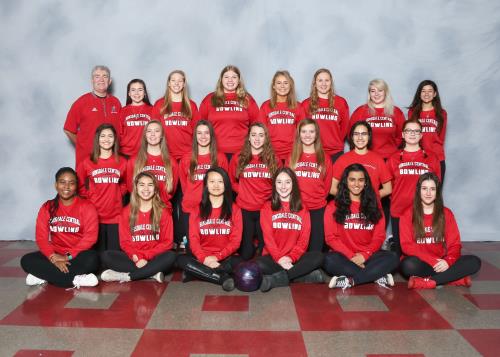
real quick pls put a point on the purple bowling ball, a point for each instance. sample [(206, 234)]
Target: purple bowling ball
[(247, 276)]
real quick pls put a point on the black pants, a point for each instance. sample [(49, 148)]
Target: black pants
[(38, 265), (108, 238), (251, 228), (119, 261), (184, 221), (334, 157), (378, 265), (443, 170), (386, 207), (179, 227), (317, 240), (464, 266), (226, 266), (307, 263), (396, 247)]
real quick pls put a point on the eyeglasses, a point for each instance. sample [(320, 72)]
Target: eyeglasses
[(411, 131), (363, 134)]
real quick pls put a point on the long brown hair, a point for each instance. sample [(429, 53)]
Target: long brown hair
[(142, 156), (291, 98), (194, 148), (295, 198), (267, 156), (167, 100), (218, 97), (135, 204), (318, 147), (96, 149), (314, 98), (416, 104), (438, 220)]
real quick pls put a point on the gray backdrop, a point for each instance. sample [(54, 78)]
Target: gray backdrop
[(49, 47)]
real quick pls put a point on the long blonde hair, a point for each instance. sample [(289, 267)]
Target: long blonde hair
[(142, 156), (167, 100), (298, 149), (241, 93), (291, 98), (313, 95), (267, 155), (380, 84), (135, 204)]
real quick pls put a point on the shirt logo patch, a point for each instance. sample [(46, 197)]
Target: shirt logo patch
[(94, 109), (113, 110)]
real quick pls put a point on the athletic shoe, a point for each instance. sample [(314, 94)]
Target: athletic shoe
[(385, 281), (85, 280), (342, 282), (111, 275), (228, 284), (159, 277), (465, 281), (416, 282), (32, 280)]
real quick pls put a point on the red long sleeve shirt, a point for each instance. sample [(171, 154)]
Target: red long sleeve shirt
[(85, 115), (406, 167), (426, 249), (314, 184), (431, 139), (142, 241), (215, 236), (230, 121), (72, 230), (253, 186), (386, 129), (355, 235), (133, 119), (285, 233), (333, 122), (104, 184), (156, 166), (192, 189), (281, 121), (373, 163), (178, 128)]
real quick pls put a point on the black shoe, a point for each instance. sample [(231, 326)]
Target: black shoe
[(228, 284), (274, 281), (317, 276)]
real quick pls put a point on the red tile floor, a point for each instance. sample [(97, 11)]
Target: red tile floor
[(199, 319)]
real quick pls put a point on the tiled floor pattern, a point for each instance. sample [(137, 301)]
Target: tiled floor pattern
[(199, 319)]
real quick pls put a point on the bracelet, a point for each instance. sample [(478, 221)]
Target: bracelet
[(69, 256)]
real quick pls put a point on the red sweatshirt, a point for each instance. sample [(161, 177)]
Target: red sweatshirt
[(355, 235), (285, 233), (314, 185), (253, 186), (215, 236), (192, 189), (406, 167), (142, 241), (281, 122), (72, 230), (104, 184), (178, 128), (426, 249), (85, 115), (431, 139), (156, 166), (373, 163), (230, 121), (133, 119), (386, 130), (333, 122)]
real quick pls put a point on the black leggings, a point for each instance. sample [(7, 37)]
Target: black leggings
[(307, 263), (226, 266), (395, 235), (464, 266), (379, 264), (184, 221), (251, 227), (108, 238), (317, 241), (38, 265), (119, 261), (179, 227), (443, 170)]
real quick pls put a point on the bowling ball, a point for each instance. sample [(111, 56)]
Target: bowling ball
[(247, 276)]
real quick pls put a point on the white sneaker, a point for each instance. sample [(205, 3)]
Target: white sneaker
[(32, 280), (385, 281), (159, 277), (85, 280), (342, 282), (111, 275)]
